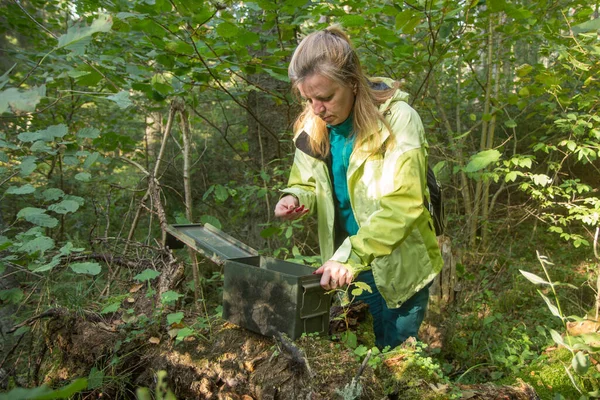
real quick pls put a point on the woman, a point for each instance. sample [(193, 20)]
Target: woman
[(361, 160)]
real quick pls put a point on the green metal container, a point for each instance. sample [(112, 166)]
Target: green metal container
[(262, 294)]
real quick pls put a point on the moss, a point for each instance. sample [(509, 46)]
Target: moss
[(411, 374), (548, 376)]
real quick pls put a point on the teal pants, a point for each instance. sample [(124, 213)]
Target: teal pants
[(393, 326)]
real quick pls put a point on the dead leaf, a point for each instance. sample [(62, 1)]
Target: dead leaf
[(136, 287), (154, 340), (106, 327), (467, 394), (130, 300), (129, 318)]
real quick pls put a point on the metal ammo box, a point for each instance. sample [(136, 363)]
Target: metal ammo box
[(262, 294)]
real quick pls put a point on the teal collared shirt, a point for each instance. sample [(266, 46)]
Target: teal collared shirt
[(341, 141)]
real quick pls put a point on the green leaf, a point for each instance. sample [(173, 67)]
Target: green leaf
[(122, 99), (482, 159), (246, 38), (523, 70), (552, 307), (13, 296), (95, 378), (354, 20), (403, 17), (91, 159), (411, 25), (28, 165), (37, 216), (533, 278), (510, 123), (41, 219), (41, 147), (27, 211), (170, 297), (183, 333), (349, 338), (65, 392), (25, 189), (209, 219), (269, 232), (556, 337), (77, 32), (146, 275), (174, 318), (511, 176), (111, 308), (52, 194), (524, 92), (221, 193), (227, 29), (581, 362), (496, 5), (21, 100), (78, 199), (83, 176), (39, 244), (53, 132), (588, 26), (48, 266), (5, 77), (5, 243), (89, 133), (362, 285), (541, 179), (89, 268), (64, 207)]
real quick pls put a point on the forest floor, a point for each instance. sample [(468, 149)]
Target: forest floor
[(233, 363), (206, 357)]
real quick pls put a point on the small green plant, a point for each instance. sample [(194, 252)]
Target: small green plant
[(161, 392)]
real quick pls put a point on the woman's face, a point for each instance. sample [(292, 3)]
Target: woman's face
[(329, 100)]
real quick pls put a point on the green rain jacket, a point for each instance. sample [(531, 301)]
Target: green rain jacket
[(396, 237)]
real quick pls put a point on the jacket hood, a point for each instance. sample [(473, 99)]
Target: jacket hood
[(398, 95)]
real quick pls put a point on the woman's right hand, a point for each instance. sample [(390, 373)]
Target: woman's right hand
[(289, 208)]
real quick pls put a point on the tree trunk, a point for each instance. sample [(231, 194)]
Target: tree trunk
[(153, 191), (187, 143), (443, 287), (478, 198)]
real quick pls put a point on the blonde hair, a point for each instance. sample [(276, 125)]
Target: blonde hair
[(330, 53)]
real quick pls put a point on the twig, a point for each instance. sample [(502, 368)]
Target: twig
[(293, 353), (363, 365), (11, 351)]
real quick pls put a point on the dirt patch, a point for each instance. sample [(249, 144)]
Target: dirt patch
[(237, 362)]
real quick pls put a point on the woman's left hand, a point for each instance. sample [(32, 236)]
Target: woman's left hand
[(335, 275)]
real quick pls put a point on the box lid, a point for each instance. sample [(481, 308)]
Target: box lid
[(208, 240)]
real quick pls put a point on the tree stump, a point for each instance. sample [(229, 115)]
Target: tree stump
[(443, 287)]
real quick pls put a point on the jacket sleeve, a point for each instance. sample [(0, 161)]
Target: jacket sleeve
[(302, 182), (402, 206)]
